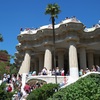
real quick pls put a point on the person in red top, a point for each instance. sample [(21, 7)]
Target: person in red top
[(27, 88), (9, 89)]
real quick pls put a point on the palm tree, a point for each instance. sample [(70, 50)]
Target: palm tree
[(1, 38), (53, 10)]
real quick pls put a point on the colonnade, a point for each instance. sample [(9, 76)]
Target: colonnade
[(45, 60)]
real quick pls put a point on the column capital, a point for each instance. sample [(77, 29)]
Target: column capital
[(90, 51), (28, 51), (72, 43), (25, 48), (48, 44), (40, 53), (81, 46), (63, 50)]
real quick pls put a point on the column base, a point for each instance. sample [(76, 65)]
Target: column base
[(74, 73), (24, 75)]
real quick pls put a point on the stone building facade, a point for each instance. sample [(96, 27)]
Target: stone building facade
[(76, 47)]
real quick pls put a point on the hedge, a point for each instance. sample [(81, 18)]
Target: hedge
[(46, 91), (87, 88)]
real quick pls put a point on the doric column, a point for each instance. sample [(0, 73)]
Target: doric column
[(41, 61), (82, 57), (36, 67), (97, 59), (73, 60), (60, 53), (32, 64), (90, 59), (25, 67), (48, 57)]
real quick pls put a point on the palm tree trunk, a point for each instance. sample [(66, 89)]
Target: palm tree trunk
[(54, 56)]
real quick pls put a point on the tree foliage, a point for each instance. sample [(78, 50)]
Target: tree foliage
[(53, 10), (6, 67), (5, 51), (4, 95), (13, 69), (44, 92), (3, 68)]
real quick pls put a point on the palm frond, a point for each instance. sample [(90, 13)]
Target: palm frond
[(53, 10)]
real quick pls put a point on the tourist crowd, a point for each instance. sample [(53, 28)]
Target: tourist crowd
[(14, 82), (50, 72), (93, 69), (61, 72)]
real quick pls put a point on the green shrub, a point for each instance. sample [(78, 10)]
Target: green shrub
[(44, 92), (4, 95), (87, 88)]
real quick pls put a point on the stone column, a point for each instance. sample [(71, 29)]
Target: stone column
[(41, 61), (60, 53), (25, 67), (82, 58), (48, 57), (97, 60), (36, 67), (32, 65), (73, 61), (90, 59)]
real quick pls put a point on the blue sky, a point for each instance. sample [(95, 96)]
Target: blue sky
[(15, 14)]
